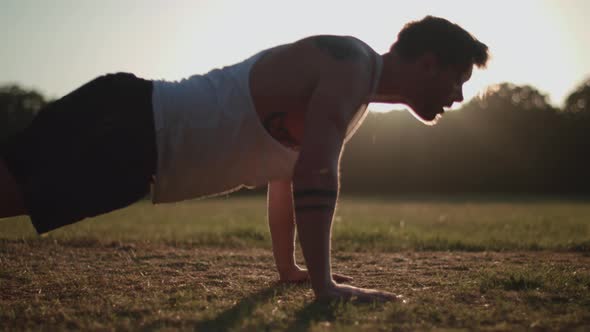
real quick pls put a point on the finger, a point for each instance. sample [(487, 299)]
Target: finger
[(385, 296), (377, 296), (342, 278)]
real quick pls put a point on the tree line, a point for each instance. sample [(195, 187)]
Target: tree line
[(512, 140), (18, 107), (508, 141)]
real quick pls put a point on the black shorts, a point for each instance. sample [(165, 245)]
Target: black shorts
[(88, 153)]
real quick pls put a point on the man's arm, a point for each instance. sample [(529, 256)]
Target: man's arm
[(338, 95), (281, 222)]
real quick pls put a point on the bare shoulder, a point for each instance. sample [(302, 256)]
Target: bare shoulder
[(345, 75), (345, 66), (309, 60), (340, 48), (329, 76), (336, 51)]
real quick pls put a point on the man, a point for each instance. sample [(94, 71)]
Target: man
[(281, 117)]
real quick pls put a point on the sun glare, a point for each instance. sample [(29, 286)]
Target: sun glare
[(536, 42)]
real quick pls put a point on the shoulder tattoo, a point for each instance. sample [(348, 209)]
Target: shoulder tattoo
[(324, 193), (340, 48)]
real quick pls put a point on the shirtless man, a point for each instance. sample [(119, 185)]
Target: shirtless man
[(281, 117)]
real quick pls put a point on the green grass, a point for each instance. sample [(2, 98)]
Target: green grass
[(146, 287), (386, 225), (492, 264)]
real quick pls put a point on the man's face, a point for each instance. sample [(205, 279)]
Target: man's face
[(439, 89)]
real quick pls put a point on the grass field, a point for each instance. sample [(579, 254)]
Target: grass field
[(486, 263)]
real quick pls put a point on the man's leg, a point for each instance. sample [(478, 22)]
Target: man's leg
[(88, 153), (11, 197)]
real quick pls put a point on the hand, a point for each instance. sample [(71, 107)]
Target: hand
[(298, 274), (346, 292)]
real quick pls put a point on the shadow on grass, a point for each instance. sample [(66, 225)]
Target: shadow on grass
[(235, 315), (311, 313)]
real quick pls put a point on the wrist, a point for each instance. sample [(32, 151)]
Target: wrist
[(324, 289), (288, 268), (294, 274)]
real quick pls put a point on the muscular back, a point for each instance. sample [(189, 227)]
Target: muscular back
[(284, 80)]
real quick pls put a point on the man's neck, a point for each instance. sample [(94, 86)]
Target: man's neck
[(390, 88)]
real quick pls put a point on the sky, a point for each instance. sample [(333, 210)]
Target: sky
[(55, 46)]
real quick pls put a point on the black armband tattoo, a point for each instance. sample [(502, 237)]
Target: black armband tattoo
[(326, 193), (340, 48), (315, 207)]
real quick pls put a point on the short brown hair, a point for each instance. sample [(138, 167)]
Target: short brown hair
[(450, 43)]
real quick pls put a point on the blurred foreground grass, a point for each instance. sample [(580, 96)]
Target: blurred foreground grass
[(361, 224)]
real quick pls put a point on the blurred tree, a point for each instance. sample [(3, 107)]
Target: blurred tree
[(511, 140), (525, 137), (17, 108), (577, 114), (579, 100), (509, 97)]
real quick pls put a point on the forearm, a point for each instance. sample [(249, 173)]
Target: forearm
[(283, 245), (314, 233), (314, 209), (281, 222)]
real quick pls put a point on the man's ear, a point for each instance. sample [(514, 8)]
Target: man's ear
[(428, 64)]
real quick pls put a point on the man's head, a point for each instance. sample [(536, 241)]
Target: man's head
[(438, 57)]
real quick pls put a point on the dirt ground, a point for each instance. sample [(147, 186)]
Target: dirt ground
[(93, 285)]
